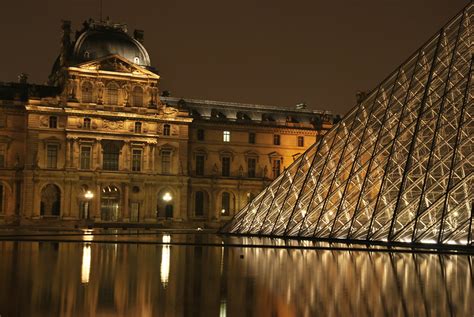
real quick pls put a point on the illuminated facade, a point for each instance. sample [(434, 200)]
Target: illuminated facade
[(101, 143), (398, 168)]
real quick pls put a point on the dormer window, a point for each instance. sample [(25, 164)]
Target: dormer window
[(112, 94), (53, 122), (137, 96), (136, 60), (86, 91)]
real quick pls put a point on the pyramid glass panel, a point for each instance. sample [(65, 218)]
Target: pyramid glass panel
[(398, 168)]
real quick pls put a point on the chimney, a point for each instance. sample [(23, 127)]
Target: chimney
[(139, 35), (65, 41)]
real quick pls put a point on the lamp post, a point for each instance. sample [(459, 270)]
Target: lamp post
[(167, 198), (88, 195)]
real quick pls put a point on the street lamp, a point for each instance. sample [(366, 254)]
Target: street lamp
[(88, 195), (167, 197)]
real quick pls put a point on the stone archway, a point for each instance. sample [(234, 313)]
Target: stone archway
[(110, 203), (166, 203), (50, 201)]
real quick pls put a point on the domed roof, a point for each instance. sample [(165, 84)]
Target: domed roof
[(100, 40)]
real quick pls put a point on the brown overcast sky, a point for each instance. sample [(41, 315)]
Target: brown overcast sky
[(253, 51)]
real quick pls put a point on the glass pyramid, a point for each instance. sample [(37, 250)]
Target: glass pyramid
[(397, 168)]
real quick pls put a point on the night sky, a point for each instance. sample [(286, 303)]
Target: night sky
[(253, 51)]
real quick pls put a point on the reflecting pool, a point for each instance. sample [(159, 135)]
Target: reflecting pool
[(169, 274)]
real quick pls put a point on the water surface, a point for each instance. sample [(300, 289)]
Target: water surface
[(49, 274)]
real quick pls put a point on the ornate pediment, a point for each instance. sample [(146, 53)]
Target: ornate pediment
[(116, 63)]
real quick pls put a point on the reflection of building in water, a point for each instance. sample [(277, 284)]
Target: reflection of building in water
[(101, 126), (86, 263), (126, 280), (165, 260)]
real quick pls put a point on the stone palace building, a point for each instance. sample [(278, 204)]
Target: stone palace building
[(101, 143)]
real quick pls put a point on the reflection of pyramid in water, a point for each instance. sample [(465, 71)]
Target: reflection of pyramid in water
[(397, 168)]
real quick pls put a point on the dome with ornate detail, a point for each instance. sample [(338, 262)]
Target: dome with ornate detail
[(100, 39)]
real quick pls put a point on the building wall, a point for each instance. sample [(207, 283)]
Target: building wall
[(44, 142)]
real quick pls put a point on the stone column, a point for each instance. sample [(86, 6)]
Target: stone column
[(98, 155), (126, 203), (94, 205), (152, 157)]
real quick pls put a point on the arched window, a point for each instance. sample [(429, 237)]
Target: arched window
[(226, 204), (138, 127), (86, 92), (137, 96), (53, 122), (166, 129), (112, 94), (87, 123)]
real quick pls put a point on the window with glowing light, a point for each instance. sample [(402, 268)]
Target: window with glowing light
[(225, 210), (226, 136)]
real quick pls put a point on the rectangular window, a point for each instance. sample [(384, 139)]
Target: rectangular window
[(200, 165), (136, 160), (3, 155), (166, 162), (276, 165), (226, 136), (53, 122), (301, 141), (51, 156), (251, 137), (251, 166), (199, 204), (86, 155), (200, 134), (1, 200), (276, 139), (226, 166), (111, 156)]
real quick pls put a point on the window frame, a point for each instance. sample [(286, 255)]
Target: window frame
[(300, 141), (112, 98), (166, 129), (137, 160), (52, 156), (251, 170), (226, 166), (166, 164), (226, 136), (276, 139), (137, 127), (200, 135), (53, 122), (200, 166), (252, 137), (83, 159)]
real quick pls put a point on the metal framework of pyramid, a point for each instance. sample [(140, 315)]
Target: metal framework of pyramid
[(398, 168)]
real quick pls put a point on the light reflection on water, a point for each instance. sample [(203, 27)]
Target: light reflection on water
[(49, 279)]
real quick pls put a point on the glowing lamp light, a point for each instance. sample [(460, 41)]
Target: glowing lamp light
[(167, 197), (89, 195), (223, 211)]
